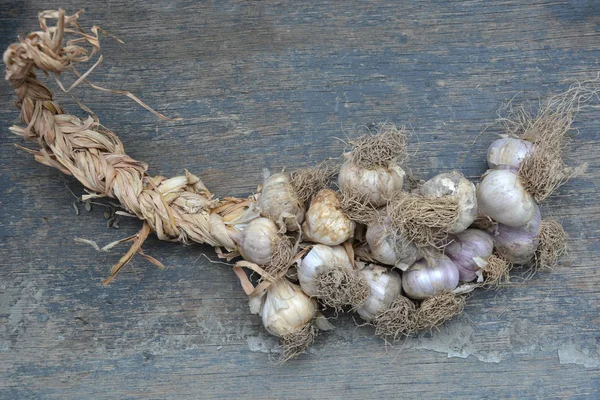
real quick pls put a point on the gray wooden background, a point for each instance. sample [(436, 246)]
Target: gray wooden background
[(271, 84)]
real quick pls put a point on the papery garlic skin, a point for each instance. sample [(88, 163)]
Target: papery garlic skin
[(455, 185), (256, 242), (373, 185), (286, 308), (518, 245), (389, 247), (502, 197), (508, 153), (469, 251), (386, 286), (422, 280), (320, 259), (325, 222), (279, 201)]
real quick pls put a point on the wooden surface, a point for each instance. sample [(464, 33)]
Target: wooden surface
[(272, 84)]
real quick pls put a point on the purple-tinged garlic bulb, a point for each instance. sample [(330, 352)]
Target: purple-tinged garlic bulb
[(279, 201), (423, 280), (325, 222), (502, 197), (508, 153), (518, 245), (455, 185), (469, 251), (385, 285)]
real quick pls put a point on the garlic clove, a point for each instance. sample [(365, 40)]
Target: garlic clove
[(286, 308), (327, 273), (508, 153), (385, 285), (325, 222), (257, 240), (373, 185), (518, 244), (455, 185), (469, 251), (389, 246), (319, 260), (422, 280), (279, 201), (502, 197)]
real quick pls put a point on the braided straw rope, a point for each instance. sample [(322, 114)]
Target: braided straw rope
[(177, 209)]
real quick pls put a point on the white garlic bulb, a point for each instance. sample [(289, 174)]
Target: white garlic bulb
[(502, 197), (279, 201), (256, 240), (389, 247), (325, 222), (373, 185), (508, 153), (455, 185), (319, 260), (385, 285), (286, 309), (469, 251), (422, 280), (518, 245)]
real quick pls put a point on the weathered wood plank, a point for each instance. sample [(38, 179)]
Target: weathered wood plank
[(273, 84)]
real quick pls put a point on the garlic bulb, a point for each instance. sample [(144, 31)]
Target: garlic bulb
[(469, 251), (325, 222), (286, 309), (455, 185), (508, 153), (257, 240), (502, 197), (518, 245), (279, 201), (389, 246), (422, 280), (385, 285), (373, 185), (327, 273)]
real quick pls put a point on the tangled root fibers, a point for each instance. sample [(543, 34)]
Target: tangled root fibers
[(434, 311), (296, 343)]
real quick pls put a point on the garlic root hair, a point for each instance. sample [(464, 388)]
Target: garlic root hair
[(496, 272), (339, 287), (396, 321), (309, 181), (554, 243), (434, 311), (296, 343), (388, 144), (422, 220)]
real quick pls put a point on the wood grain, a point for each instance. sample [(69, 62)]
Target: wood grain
[(275, 84)]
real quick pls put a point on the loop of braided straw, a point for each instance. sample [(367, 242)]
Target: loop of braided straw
[(177, 209)]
